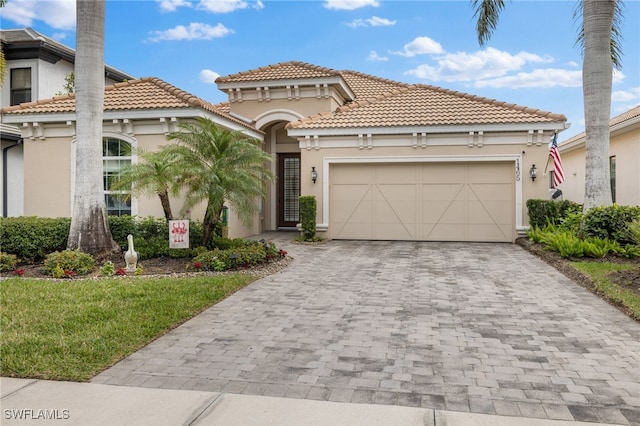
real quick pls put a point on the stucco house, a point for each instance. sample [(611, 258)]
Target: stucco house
[(36, 68), (386, 160), (624, 161)]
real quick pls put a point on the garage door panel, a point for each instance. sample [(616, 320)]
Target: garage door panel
[(426, 201), (445, 232)]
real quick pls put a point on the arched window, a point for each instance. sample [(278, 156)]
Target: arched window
[(116, 154)]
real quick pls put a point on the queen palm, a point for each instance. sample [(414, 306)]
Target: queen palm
[(599, 37), (218, 165), (155, 174), (89, 231)]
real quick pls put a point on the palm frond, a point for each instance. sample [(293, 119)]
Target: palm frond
[(487, 13), (616, 32)]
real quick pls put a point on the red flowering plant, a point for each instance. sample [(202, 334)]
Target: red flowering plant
[(19, 272), (68, 273), (198, 266), (121, 271)]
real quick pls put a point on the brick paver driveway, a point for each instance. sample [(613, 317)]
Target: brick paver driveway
[(486, 328)]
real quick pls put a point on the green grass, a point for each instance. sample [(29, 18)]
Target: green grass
[(617, 294), (72, 330)]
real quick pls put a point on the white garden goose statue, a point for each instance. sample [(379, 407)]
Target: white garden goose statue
[(130, 256)]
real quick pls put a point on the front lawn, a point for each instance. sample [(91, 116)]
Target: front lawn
[(74, 329), (624, 295)]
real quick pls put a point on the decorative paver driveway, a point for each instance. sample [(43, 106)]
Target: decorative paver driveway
[(486, 328)]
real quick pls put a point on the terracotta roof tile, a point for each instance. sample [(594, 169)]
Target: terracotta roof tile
[(148, 93), (280, 71), (422, 105), (365, 86)]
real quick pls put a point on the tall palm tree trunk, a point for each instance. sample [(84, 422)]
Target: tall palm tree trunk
[(89, 230), (597, 73)]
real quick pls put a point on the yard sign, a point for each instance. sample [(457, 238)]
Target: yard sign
[(178, 234)]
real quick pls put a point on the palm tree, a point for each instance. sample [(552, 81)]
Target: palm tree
[(89, 231), (599, 37), (154, 175), (218, 165), (3, 64)]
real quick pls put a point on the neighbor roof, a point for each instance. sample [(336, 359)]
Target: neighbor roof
[(27, 43), (619, 122), (423, 105), (149, 93)]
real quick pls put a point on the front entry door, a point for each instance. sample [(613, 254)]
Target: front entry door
[(288, 190)]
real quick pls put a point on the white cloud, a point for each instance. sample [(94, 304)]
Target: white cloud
[(420, 46), (173, 5), (630, 95), (195, 31), (227, 6), (349, 4), (541, 78), (58, 14), (374, 21), (208, 76), (59, 36), (481, 65), (373, 56)]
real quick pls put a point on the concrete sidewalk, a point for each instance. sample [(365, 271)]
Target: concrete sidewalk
[(38, 402)]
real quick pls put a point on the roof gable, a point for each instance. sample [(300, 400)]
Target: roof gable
[(281, 71)]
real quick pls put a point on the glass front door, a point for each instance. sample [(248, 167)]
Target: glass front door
[(288, 190)]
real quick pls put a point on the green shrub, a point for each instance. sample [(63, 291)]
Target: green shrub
[(630, 251), (244, 253), (7, 262), (566, 243), (308, 207), (611, 222), (634, 229), (597, 247), (108, 269), (543, 212), (537, 234), (32, 238), (70, 262)]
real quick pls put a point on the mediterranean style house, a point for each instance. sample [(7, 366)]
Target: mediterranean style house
[(37, 67), (624, 161), (385, 160)]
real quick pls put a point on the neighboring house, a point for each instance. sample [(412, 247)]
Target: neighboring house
[(36, 68), (385, 160), (624, 161)]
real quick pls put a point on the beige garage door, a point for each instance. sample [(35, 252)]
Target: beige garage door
[(425, 202)]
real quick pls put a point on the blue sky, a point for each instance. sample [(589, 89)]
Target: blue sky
[(531, 60)]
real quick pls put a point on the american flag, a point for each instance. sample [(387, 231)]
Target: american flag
[(558, 174)]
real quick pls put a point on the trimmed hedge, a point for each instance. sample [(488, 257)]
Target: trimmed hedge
[(545, 212), (308, 207), (33, 238)]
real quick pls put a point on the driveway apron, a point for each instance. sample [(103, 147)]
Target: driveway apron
[(476, 327)]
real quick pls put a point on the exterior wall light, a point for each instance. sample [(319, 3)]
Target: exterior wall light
[(533, 172), (314, 174)]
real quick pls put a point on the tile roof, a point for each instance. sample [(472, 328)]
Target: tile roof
[(281, 71), (149, 93), (423, 105), (386, 103), (365, 86)]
